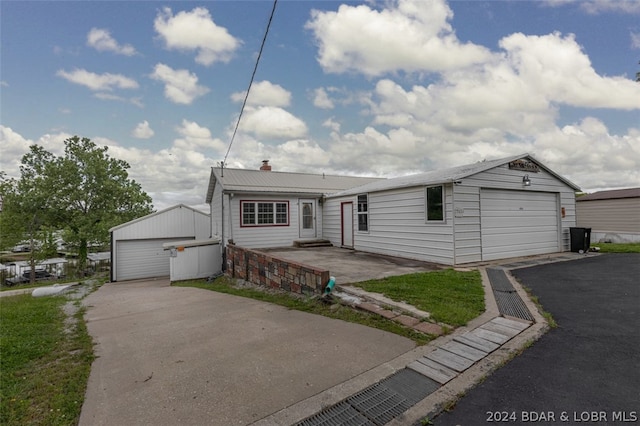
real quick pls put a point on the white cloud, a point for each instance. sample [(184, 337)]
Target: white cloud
[(143, 131), (321, 99), (101, 40), (410, 35), (196, 137), (264, 93), (559, 68), (596, 7), (332, 124), (98, 82), (635, 40), (272, 122), (196, 31), (111, 97), (181, 86)]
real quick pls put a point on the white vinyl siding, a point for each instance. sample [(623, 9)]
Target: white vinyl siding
[(466, 202), (142, 258), (175, 223), (396, 225), (273, 235), (518, 223)]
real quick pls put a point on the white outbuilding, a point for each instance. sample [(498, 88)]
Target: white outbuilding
[(137, 246)]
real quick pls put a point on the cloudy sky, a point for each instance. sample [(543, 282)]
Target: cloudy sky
[(376, 88)]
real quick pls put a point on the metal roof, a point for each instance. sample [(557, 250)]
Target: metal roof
[(611, 194), (243, 180), (177, 206), (443, 176)]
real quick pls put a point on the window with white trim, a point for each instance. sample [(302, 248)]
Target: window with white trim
[(264, 213), (363, 212), (435, 203)]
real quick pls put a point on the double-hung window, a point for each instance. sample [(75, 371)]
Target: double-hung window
[(435, 204), (363, 213), (264, 213)]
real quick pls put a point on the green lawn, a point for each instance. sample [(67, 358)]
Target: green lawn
[(311, 305), (45, 361), (452, 297), (617, 248)]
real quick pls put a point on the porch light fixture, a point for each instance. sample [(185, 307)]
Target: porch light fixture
[(526, 181)]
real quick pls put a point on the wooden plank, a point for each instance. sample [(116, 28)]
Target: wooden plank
[(496, 328), (477, 342), (464, 351), (433, 370), (518, 325), (490, 336), (451, 360)]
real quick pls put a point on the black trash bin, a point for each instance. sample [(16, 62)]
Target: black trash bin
[(580, 239)]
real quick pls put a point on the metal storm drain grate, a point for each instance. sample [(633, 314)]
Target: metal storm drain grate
[(337, 415), (510, 304), (508, 301), (378, 404)]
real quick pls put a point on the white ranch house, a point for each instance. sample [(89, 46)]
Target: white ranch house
[(514, 206)]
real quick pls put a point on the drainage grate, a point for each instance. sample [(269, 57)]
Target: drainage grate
[(411, 384), (499, 280), (508, 301), (377, 404), (337, 415)]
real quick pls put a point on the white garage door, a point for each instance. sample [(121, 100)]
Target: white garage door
[(518, 223), (142, 258)]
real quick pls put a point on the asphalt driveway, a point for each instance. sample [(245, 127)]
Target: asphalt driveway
[(587, 370), (172, 355)]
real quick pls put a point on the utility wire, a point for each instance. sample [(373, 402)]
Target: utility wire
[(255, 68)]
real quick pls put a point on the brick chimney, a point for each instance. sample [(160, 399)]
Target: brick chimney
[(265, 166)]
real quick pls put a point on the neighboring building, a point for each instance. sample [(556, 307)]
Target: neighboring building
[(613, 216), (264, 208), (488, 210), (136, 246)]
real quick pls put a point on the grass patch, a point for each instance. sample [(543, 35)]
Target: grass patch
[(618, 248), (310, 305), (46, 361), (451, 297)]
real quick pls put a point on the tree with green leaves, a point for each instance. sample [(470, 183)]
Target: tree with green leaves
[(84, 192)]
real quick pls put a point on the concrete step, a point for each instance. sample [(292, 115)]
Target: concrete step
[(312, 243)]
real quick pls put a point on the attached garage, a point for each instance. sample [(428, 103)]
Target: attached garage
[(518, 223), (136, 246), (488, 210)]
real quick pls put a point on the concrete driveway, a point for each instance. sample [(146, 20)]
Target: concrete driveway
[(171, 355), (349, 266), (586, 370)]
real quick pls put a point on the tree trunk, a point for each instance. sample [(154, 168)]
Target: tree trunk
[(82, 257)]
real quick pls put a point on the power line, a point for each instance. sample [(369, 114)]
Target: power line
[(255, 68)]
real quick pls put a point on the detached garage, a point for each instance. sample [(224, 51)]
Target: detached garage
[(136, 246), (489, 210)]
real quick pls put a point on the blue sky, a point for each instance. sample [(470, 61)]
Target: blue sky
[(365, 88)]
